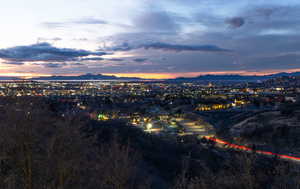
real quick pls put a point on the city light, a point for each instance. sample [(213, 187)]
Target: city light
[(149, 126)]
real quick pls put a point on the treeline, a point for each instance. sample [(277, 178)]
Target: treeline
[(42, 146)]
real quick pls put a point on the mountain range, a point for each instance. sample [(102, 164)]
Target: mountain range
[(7, 78), (252, 78), (86, 77)]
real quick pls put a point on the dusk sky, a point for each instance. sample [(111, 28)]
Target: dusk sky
[(149, 38)]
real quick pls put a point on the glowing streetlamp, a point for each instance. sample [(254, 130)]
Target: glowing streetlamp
[(149, 126)]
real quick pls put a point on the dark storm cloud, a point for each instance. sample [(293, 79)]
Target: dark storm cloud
[(169, 47), (44, 52), (236, 22)]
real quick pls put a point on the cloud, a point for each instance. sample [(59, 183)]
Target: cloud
[(92, 59), (51, 65), (265, 19), (158, 29), (13, 63), (257, 30), (44, 52), (100, 59), (82, 21), (80, 39), (267, 12), (289, 60), (236, 22), (156, 21), (43, 39), (77, 64), (172, 47), (115, 59), (89, 21), (140, 59), (53, 24), (168, 47), (133, 39)]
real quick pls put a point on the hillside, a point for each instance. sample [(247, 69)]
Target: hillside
[(277, 131), (45, 144)]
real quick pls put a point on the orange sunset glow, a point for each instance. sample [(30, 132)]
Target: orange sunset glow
[(194, 74), (156, 75)]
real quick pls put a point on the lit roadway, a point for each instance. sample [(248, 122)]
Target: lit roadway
[(202, 130), (247, 149), (193, 127)]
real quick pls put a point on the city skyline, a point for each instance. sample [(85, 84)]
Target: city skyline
[(149, 39)]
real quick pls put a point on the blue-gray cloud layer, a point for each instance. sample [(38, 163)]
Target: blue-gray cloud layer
[(44, 52), (168, 47), (211, 35), (255, 34)]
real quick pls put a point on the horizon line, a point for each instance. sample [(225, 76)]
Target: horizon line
[(165, 75)]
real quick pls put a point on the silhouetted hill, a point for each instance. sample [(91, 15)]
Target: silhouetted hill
[(9, 78), (293, 74), (236, 77), (86, 77)]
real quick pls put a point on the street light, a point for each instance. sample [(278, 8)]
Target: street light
[(149, 126)]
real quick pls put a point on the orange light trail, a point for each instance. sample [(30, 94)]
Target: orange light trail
[(245, 148)]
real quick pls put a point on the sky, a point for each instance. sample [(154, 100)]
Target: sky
[(149, 38)]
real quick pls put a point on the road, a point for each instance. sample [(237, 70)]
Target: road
[(195, 128), (248, 149)]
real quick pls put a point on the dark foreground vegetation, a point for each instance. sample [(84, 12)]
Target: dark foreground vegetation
[(49, 145)]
